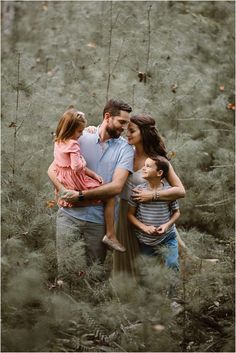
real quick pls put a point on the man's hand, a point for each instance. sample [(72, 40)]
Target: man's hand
[(68, 195)]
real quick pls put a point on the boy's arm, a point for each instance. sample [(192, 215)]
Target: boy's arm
[(164, 227), (137, 223)]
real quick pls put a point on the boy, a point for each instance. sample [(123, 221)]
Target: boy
[(154, 221)]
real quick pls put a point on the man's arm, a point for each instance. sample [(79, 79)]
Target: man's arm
[(110, 189), (102, 192)]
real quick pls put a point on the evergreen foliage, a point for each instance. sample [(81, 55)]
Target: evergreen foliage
[(174, 60)]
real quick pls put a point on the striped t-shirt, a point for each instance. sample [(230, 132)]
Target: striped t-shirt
[(153, 213)]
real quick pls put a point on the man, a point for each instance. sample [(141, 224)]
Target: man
[(109, 155)]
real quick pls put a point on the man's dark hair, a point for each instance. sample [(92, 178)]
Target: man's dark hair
[(114, 106), (162, 164)]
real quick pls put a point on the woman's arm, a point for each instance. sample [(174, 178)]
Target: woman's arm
[(176, 191)]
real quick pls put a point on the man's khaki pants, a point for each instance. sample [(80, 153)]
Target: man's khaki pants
[(75, 238)]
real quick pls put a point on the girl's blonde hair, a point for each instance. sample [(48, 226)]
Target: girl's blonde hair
[(68, 123)]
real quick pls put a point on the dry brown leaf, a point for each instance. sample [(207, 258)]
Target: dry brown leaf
[(159, 328), (171, 154), (231, 106), (50, 203), (91, 45), (174, 87), (13, 124), (45, 6)]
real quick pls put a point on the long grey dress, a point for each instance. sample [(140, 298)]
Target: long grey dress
[(125, 262)]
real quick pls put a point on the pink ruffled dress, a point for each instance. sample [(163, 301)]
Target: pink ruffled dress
[(70, 168)]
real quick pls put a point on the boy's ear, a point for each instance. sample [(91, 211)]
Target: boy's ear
[(159, 173)]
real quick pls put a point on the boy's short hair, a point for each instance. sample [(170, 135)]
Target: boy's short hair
[(114, 106), (161, 164)]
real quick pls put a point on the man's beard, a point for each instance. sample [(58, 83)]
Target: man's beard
[(113, 133)]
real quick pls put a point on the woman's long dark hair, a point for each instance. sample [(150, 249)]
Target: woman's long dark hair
[(153, 143)]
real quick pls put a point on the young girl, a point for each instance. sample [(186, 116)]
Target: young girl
[(71, 170)]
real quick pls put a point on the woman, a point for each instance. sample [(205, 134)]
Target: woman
[(144, 136)]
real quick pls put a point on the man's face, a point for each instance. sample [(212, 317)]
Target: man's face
[(117, 124)]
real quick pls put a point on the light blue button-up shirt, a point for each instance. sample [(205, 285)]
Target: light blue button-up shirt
[(103, 158)]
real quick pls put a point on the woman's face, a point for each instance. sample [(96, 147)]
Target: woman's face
[(133, 134)]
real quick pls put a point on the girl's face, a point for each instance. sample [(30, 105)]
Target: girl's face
[(133, 134), (78, 131)]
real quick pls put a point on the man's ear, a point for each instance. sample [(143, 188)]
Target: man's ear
[(106, 116)]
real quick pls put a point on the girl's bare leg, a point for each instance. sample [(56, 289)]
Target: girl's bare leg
[(110, 237)]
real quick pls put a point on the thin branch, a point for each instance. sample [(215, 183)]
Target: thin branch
[(222, 166), (16, 116), (203, 119), (216, 129), (118, 57), (217, 203), (18, 128), (149, 38), (175, 100), (109, 54)]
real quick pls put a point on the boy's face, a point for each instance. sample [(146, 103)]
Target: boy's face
[(149, 171)]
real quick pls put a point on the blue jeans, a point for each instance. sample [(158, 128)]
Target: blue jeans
[(170, 253)]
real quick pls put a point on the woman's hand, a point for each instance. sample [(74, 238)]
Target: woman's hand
[(142, 195)]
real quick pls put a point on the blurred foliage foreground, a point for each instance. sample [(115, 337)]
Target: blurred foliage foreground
[(187, 85)]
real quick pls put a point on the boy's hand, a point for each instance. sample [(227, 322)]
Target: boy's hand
[(149, 229), (162, 229)]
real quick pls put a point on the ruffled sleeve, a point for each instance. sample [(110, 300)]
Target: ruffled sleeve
[(77, 161)]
